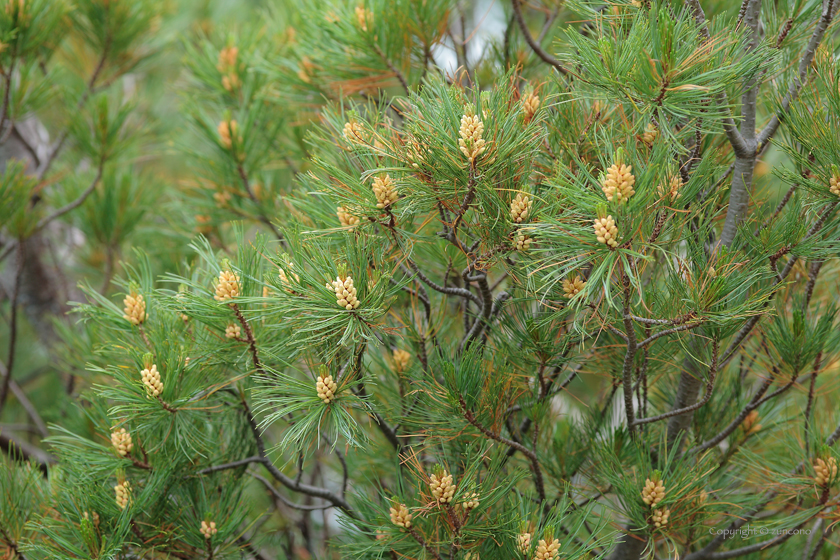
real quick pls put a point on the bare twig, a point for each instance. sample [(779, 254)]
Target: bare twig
[(535, 462), (547, 58)]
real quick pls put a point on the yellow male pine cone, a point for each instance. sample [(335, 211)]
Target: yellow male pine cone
[(354, 132), (442, 487), (227, 286), (284, 278), (547, 550), (401, 360), (573, 287), (345, 293), (522, 242), (228, 131), (523, 542), (650, 134), (151, 379), (834, 185), (233, 331), (385, 190), (364, 17), (606, 231), (471, 501), (326, 388), (618, 182), (400, 516), (530, 104), (345, 218), (660, 517), (135, 308), (227, 59), (208, 529), (674, 187), (520, 208), (122, 493), (826, 471), (653, 492), (472, 129), (121, 440), (227, 66)]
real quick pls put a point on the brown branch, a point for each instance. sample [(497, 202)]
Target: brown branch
[(45, 166), (804, 65), (13, 328), (710, 386), (419, 538), (314, 491), (260, 214), (629, 355), (666, 332), (547, 58), (535, 462), (73, 204)]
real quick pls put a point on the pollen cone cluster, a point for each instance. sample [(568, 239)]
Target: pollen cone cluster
[(834, 185), (385, 190), (354, 132), (151, 379), (650, 134), (530, 104), (660, 517), (606, 231), (472, 132), (471, 501), (345, 292), (284, 279), (750, 424), (400, 516), (674, 187), (523, 542), (326, 388), (227, 66), (520, 208), (208, 529), (825, 471), (401, 360), (122, 493), (522, 242), (547, 550), (653, 492), (121, 440), (227, 286), (228, 132), (345, 218), (618, 182), (573, 287), (135, 308), (233, 331), (364, 17), (442, 487)]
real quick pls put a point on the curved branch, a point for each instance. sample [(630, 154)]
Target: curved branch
[(547, 58)]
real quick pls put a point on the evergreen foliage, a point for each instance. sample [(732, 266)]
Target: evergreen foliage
[(370, 280)]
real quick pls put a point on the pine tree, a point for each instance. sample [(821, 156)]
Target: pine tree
[(568, 298)]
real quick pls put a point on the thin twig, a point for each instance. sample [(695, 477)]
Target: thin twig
[(547, 58), (535, 462)]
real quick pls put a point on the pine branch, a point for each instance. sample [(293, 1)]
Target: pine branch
[(13, 329), (710, 386), (314, 491), (56, 148), (73, 204), (804, 65), (532, 457), (523, 27)]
